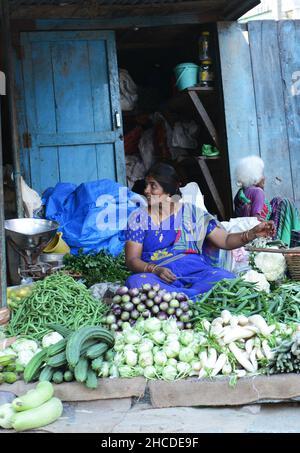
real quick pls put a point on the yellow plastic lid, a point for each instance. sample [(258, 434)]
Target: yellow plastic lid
[(205, 33), (206, 62)]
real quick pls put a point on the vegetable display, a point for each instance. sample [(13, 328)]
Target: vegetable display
[(149, 301), (241, 297), (36, 409), (97, 268), (16, 295), (57, 299), (72, 358), (286, 357)]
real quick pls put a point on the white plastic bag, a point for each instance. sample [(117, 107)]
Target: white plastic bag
[(135, 169), (185, 135), (31, 199), (128, 91)]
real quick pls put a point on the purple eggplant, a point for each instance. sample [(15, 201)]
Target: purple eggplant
[(174, 303), (151, 294), (135, 315), (162, 316), (146, 314), (179, 312), (117, 300), (114, 327), (171, 311), (189, 326), (182, 297), (185, 318), (126, 299), (156, 287), (134, 292), (129, 307), (167, 297), (150, 303), (184, 306), (157, 300), (141, 308), (147, 287), (143, 298), (125, 316), (164, 306), (136, 300), (122, 291), (155, 310), (117, 311), (180, 325)]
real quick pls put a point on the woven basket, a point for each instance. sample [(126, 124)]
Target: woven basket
[(292, 257), (293, 262)]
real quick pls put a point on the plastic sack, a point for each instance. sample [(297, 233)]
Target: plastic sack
[(31, 199), (92, 216), (185, 135), (191, 193), (128, 91), (104, 290), (237, 261), (146, 148), (135, 170)]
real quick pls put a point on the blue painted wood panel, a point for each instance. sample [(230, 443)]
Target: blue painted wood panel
[(274, 146), (71, 95), (239, 98), (289, 44)]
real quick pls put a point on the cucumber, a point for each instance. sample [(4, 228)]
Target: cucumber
[(31, 371), (57, 348), (34, 398), (57, 361), (62, 330), (41, 416), (92, 380), (46, 374), (77, 339), (69, 376), (81, 370), (97, 351), (58, 377), (97, 364)]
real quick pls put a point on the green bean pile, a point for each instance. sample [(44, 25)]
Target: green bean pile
[(56, 299), (240, 297)]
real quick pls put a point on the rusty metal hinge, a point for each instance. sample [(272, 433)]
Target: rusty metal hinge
[(27, 141)]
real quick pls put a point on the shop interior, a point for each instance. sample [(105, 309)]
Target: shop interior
[(160, 121)]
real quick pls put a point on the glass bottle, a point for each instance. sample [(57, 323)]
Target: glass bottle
[(204, 46), (207, 77)]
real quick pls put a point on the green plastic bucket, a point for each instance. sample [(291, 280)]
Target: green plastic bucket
[(187, 75)]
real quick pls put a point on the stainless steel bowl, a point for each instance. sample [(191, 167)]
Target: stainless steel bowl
[(31, 234)]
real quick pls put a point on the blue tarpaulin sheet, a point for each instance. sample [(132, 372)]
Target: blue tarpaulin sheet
[(92, 216)]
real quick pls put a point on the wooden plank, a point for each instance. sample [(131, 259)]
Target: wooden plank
[(289, 39), (274, 145), (239, 99), (205, 117), (212, 187), (88, 138)]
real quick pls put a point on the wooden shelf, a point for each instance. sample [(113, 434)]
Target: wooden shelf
[(209, 158), (200, 89)]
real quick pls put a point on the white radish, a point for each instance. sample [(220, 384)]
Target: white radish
[(206, 325), (221, 362), (253, 359), (249, 346), (242, 320), (234, 321), (259, 354), (238, 333), (267, 350), (226, 316), (241, 373), (272, 328), (212, 358), (217, 330), (202, 374), (227, 369), (203, 358), (240, 357), (259, 322), (217, 321)]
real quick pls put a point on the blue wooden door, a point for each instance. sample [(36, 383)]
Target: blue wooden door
[(72, 108)]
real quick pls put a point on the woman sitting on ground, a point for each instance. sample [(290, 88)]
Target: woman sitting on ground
[(171, 242), (251, 201)]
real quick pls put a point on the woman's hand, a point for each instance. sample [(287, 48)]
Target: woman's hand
[(263, 230), (165, 274)]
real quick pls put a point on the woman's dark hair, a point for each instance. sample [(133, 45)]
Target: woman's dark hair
[(167, 177)]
